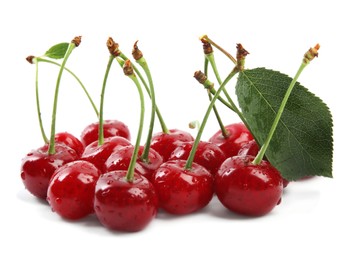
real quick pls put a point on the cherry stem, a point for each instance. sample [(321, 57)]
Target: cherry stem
[(219, 48), (101, 120), (78, 80), (224, 132), (51, 149), (131, 167), (190, 159), (143, 63), (308, 57), (44, 137), (159, 115), (216, 112), (212, 62), (264, 147)]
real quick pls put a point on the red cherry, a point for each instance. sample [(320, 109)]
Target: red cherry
[(110, 128), (71, 141), (249, 148), (285, 182), (208, 155), (165, 143), (248, 189), (71, 189), (183, 191), (238, 134), (98, 154), (123, 205), (120, 160), (38, 167)]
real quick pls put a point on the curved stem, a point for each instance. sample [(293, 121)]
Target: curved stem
[(44, 137), (78, 80), (101, 120), (221, 49), (130, 173), (143, 63), (159, 115), (211, 59), (264, 147), (218, 118), (216, 112), (51, 149), (205, 119)]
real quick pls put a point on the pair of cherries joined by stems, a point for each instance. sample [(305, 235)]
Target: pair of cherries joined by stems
[(125, 184)]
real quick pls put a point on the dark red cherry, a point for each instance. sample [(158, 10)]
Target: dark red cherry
[(183, 191), (208, 155), (165, 143), (248, 189), (110, 128), (120, 160), (71, 141), (249, 148), (123, 205), (238, 134), (38, 166), (98, 154), (71, 189)]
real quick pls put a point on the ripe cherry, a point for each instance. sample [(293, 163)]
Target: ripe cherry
[(71, 141), (71, 189), (208, 155), (98, 154), (123, 205), (238, 135), (248, 189), (38, 167), (249, 148), (180, 190), (120, 160), (165, 143), (110, 128)]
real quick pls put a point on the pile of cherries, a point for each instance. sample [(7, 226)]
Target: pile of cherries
[(125, 184)]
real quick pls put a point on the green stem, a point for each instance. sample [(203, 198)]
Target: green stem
[(78, 80), (221, 49), (216, 112), (101, 120), (44, 137), (232, 105), (205, 119), (51, 149), (218, 118), (143, 63), (264, 147), (159, 115), (131, 168), (211, 59)]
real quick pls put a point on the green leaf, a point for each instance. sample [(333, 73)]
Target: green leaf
[(302, 144), (57, 51)]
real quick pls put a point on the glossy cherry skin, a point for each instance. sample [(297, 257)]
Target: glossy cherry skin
[(249, 148), (110, 128), (248, 189), (38, 166), (183, 191), (165, 143), (71, 189), (98, 154), (71, 141), (122, 205), (208, 155), (120, 160), (238, 134)]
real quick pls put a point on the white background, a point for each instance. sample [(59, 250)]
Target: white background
[(316, 219)]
